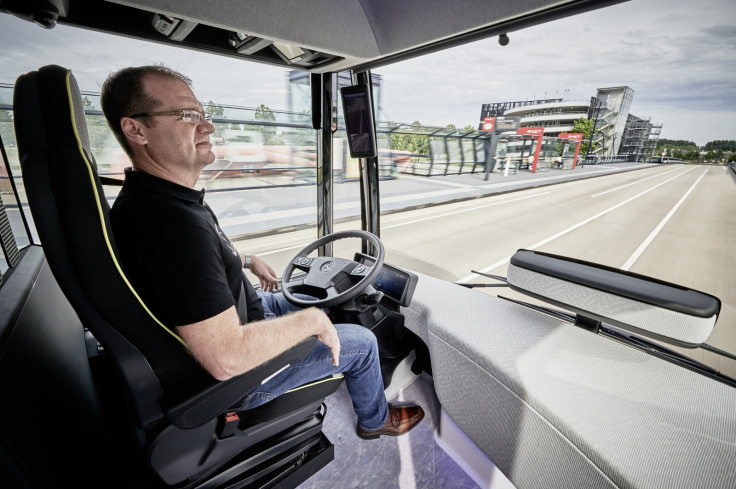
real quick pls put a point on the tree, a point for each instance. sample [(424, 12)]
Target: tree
[(585, 126), (722, 145), (692, 155), (214, 110), (264, 113), (99, 132), (671, 145), (413, 143)]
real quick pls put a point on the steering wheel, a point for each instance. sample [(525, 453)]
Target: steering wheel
[(332, 280)]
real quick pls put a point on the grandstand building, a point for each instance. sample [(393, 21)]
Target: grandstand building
[(616, 131), (640, 137)]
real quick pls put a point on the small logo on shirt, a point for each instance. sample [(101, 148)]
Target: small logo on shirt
[(227, 241)]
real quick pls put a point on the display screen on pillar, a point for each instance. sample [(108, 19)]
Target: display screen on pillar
[(359, 122)]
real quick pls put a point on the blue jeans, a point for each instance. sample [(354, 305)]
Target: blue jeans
[(359, 364)]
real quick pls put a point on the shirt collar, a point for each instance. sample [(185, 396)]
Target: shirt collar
[(139, 180)]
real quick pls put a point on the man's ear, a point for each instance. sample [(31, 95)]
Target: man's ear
[(134, 131)]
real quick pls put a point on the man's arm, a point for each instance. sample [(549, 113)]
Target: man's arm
[(225, 348), (262, 270)]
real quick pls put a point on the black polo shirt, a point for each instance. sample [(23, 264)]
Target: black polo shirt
[(175, 254)]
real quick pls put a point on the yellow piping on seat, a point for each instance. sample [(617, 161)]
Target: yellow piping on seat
[(317, 382), (102, 217)]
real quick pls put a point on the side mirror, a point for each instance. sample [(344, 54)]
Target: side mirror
[(636, 303)]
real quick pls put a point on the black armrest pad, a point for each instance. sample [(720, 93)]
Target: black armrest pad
[(197, 402), (619, 282)]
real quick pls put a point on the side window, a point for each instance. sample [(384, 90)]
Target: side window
[(15, 228)]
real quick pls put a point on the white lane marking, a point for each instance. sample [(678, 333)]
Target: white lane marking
[(568, 230), (423, 195), (643, 246), (463, 210), (634, 183), (522, 181), (451, 184)]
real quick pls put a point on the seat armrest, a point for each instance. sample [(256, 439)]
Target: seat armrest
[(197, 402)]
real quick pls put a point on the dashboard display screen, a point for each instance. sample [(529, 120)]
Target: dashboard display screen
[(396, 284), (391, 282)]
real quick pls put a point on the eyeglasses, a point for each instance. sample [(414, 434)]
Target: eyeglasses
[(187, 115)]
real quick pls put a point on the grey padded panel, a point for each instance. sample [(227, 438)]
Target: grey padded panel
[(670, 325), (359, 30), (557, 406)]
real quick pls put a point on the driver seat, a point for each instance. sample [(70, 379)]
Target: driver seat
[(188, 434)]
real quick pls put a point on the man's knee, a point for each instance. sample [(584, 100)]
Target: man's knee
[(356, 337)]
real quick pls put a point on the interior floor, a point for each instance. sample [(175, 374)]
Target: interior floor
[(413, 460)]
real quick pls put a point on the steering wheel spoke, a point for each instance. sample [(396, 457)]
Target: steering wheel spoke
[(332, 292), (292, 285)]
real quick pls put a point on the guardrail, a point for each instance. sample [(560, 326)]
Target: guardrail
[(603, 159), (427, 166)]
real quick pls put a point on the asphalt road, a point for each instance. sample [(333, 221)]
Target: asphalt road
[(674, 222)]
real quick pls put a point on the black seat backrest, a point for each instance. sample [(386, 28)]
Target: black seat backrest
[(49, 393), (71, 216)]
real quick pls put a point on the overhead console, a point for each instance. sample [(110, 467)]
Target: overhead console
[(242, 44), (203, 34)]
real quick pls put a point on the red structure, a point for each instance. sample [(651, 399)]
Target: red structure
[(573, 136), (489, 124), (538, 133)]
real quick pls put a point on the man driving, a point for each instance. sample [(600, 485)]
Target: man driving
[(191, 276)]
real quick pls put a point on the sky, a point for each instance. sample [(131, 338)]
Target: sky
[(679, 57)]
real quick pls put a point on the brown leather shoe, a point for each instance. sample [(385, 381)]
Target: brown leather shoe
[(400, 420)]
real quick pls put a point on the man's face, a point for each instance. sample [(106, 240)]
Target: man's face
[(173, 142)]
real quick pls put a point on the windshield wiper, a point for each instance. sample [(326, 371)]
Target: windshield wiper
[(556, 313), (667, 354), (494, 277), (640, 343)]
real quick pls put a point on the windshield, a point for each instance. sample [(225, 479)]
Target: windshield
[(647, 83)]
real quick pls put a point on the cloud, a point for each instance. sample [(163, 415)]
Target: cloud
[(678, 56)]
